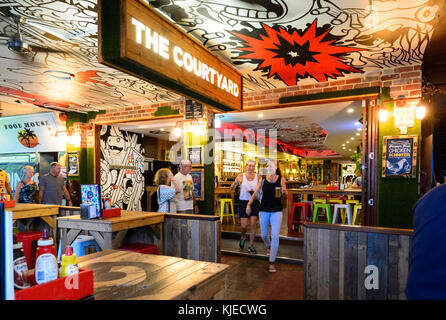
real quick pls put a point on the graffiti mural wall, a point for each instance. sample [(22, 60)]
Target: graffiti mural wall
[(122, 164), (273, 43)]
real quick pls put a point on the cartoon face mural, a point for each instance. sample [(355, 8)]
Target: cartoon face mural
[(122, 162), (366, 35)]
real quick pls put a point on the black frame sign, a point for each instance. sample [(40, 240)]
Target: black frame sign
[(195, 155), (198, 180), (136, 39), (399, 158), (193, 110)]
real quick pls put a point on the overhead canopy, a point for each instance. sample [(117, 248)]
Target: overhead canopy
[(273, 44)]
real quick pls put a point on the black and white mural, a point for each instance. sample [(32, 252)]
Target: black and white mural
[(273, 43), (122, 165)]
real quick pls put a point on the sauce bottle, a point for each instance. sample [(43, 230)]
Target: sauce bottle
[(20, 266), (46, 262), (69, 265)]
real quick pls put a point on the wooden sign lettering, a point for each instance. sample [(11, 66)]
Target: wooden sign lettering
[(135, 38)]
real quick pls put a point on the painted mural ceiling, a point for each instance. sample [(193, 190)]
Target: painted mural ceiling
[(273, 43)]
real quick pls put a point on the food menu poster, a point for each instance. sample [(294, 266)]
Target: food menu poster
[(399, 156)]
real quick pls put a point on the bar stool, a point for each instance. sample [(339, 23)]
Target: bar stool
[(326, 207), (345, 208), (226, 203), (350, 202), (140, 248), (355, 211), (303, 214), (350, 197), (319, 201), (340, 201), (29, 240)]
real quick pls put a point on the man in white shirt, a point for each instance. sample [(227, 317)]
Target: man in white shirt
[(185, 200)]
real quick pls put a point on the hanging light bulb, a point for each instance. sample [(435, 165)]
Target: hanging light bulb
[(383, 114), (177, 132), (420, 112)]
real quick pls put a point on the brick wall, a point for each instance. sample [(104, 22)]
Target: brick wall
[(401, 80)]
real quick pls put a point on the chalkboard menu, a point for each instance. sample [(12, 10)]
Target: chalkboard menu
[(194, 110), (399, 156)]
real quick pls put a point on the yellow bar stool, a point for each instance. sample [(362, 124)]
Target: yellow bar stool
[(356, 208), (315, 201), (351, 197), (226, 209), (350, 202)]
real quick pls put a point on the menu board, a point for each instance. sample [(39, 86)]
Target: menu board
[(193, 110), (194, 154), (399, 156)]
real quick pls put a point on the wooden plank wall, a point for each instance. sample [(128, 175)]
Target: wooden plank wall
[(336, 258), (192, 237)]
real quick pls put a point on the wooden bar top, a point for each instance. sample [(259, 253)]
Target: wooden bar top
[(31, 206), (120, 275), (127, 220), (346, 227), (323, 191)]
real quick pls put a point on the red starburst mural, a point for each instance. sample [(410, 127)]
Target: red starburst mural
[(290, 55)]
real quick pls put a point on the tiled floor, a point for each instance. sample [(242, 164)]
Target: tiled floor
[(249, 279)]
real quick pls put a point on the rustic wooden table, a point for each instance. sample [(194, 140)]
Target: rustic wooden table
[(120, 275), (102, 230), (46, 212)]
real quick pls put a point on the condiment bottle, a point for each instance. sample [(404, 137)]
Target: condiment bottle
[(46, 262), (20, 266), (69, 265)]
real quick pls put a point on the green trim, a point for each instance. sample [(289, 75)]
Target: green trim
[(166, 111), (74, 117), (330, 95), (110, 50), (396, 196)]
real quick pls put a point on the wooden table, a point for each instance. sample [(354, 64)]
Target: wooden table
[(120, 275), (46, 212), (102, 230)]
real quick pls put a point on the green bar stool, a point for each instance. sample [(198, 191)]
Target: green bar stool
[(356, 208), (226, 209), (326, 207)]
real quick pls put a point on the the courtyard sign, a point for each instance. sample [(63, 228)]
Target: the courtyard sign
[(136, 39)]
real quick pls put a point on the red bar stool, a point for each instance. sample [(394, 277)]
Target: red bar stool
[(303, 214), (140, 248), (29, 240)]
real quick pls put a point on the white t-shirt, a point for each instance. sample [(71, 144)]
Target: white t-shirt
[(184, 200)]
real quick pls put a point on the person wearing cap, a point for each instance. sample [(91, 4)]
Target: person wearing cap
[(52, 187)]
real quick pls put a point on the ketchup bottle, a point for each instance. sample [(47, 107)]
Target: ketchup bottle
[(46, 262)]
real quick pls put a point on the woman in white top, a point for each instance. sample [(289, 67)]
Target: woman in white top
[(248, 182)]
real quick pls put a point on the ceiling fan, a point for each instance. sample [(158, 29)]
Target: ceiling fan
[(16, 43)]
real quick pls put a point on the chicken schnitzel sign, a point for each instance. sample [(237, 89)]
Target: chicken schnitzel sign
[(400, 156), (136, 39)]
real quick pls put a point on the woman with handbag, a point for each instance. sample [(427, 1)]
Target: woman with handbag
[(248, 183), (273, 187)]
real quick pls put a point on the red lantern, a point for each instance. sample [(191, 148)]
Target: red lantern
[(63, 117)]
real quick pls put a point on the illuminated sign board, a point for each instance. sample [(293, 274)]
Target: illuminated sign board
[(135, 38)]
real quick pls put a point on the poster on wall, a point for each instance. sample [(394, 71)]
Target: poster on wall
[(198, 179), (122, 167), (399, 157), (195, 155), (73, 163)]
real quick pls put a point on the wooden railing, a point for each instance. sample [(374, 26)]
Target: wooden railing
[(337, 257), (192, 236)]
